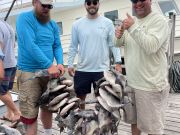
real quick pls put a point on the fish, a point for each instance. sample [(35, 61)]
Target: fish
[(57, 106), (91, 127), (75, 99), (69, 89), (87, 114), (58, 98), (52, 84), (108, 75), (57, 88), (110, 90), (103, 103), (66, 109), (44, 99), (103, 118), (67, 82), (105, 83), (111, 100)]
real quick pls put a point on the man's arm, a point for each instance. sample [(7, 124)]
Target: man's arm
[(1, 63), (116, 51), (73, 49), (152, 39), (26, 35)]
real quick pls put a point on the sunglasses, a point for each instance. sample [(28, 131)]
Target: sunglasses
[(136, 1), (47, 6), (91, 2)]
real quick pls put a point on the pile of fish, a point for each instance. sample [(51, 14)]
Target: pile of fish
[(103, 120), (59, 96)]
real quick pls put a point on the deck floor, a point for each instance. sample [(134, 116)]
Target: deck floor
[(172, 117)]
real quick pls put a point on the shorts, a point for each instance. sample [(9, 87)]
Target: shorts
[(84, 80), (7, 83), (147, 110), (29, 93)]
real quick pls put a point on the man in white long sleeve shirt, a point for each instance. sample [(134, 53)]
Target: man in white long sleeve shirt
[(92, 36), (145, 41)]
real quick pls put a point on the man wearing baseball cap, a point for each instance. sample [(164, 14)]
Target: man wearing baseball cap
[(46, 2), (38, 46)]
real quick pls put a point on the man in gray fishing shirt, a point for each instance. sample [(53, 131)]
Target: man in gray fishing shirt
[(92, 37)]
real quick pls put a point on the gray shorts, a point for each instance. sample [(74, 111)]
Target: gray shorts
[(29, 93), (147, 110)]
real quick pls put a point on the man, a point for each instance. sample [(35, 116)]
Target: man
[(38, 45), (93, 35), (145, 41), (8, 71)]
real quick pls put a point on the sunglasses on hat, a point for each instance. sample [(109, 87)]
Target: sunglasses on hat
[(135, 1), (47, 6), (91, 2)]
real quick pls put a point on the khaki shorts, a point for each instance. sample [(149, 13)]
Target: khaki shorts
[(29, 93), (147, 110)]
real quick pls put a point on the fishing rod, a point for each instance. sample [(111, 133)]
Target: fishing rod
[(9, 10)]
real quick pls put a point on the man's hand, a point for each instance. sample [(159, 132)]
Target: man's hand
[(71, 71), (61, 69), (118, 68), (53, 71), (119, 31), (128, 22), (1, 70)]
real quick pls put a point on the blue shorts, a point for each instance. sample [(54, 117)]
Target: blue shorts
[(84, 80), (7, 83)]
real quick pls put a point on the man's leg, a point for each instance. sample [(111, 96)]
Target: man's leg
[(150, 110), (83, 98), (82, 85), (9, 112), (29, 93), (31, 129), (46, 118), (12, 109)]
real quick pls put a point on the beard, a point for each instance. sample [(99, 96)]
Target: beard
[(92, 11), (43, 17)]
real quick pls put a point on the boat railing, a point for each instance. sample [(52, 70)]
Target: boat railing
[(19, 4)]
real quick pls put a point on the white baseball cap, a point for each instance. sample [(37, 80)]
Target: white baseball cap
[(46, 2)]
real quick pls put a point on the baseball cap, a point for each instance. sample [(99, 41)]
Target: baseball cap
[(46, 2), (91, 0)]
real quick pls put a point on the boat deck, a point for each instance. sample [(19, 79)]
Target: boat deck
[(172, 117)]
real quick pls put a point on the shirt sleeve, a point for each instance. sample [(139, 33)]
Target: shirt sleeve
[(26, 35), (57, 47), (1, 40), (1, 36), (73, 48), (1, 54), (152, 39), (116, 51)]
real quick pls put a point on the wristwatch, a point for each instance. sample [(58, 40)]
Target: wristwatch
[(118, 62), (1, 57)]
